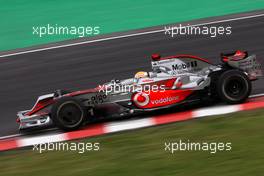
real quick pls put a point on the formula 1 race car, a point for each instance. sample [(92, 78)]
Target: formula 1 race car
[(173, 81)]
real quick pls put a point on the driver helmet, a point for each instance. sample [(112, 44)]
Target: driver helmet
[(141, 74)]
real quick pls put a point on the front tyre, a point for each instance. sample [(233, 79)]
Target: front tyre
[(68, 114), (233, 87)]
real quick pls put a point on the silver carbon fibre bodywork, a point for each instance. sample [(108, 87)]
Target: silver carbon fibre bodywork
[(33, 120)]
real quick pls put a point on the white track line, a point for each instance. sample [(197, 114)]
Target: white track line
[(10, 136), (20, 134), (128, 35), (257, 95)]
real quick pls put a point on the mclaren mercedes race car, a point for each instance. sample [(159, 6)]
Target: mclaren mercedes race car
[(173, 81)]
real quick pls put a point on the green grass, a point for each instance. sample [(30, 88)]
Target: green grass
[(19, 16), (141, 152)]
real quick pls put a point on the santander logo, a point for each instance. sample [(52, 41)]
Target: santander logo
[(164, 100)]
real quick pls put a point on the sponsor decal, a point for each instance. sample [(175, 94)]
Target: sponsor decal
[(186, 65), (96, 99), (147, 80), (141, 99), (165, 100), (158, 99)]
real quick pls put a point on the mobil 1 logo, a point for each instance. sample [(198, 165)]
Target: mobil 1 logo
[(183, 66)]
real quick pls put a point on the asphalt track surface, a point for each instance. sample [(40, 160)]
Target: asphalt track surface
[(24, 77)]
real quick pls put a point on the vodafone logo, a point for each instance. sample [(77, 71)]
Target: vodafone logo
[(165, 100), (141, 99)]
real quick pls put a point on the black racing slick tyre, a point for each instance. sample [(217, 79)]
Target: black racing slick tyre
[(233, 86), (68, 114)]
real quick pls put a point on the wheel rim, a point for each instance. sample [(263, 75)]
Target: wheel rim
[(70, 114), (236, 87)]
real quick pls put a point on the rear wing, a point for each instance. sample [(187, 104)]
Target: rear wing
[(242, 60)]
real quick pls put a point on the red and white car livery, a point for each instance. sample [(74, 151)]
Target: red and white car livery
[(172, 81)]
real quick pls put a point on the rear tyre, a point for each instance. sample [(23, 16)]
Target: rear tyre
[(233, 86), (68, 114)]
